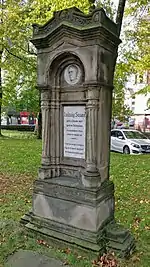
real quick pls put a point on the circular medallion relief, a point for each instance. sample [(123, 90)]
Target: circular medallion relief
[(72, 74)]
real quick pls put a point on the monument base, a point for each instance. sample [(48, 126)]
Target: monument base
[(61, 239), (63, 209), (119, 240)]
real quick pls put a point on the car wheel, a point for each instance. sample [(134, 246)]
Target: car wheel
[(126, 150)]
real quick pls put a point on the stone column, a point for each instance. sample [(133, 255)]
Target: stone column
[(45, 170), (91, 176), (57, 116), (45, 107), (104, 127), (55, 133)]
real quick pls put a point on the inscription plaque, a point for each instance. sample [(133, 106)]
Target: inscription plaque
[(74, 131)]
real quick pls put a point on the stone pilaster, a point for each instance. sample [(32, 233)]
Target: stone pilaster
[(91, 177), (50, 133), (55, 133), (46, 125), (104, 127)]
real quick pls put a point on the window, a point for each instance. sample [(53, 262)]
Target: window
[(134, 135), (119, 135), (113, 133)]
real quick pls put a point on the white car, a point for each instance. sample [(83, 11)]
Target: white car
[(129, 141)]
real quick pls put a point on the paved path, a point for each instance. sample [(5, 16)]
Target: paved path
[(27, 258)]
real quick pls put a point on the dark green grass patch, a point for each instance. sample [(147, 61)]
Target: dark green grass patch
[(19, 162), (131, 176), (19, 153)]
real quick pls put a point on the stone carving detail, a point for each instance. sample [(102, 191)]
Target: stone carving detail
[(73, 199), (76, 17), (70, 173), (72, 74), (97, 17)]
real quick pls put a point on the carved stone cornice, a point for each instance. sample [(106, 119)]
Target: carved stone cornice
[(99, 34), (98, 85), (42, 87), (77, 18), (75, 24), (92, 94)]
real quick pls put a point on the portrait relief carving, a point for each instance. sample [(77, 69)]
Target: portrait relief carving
[(72, 74)]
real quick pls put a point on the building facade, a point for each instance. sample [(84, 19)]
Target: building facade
[(139, 103)]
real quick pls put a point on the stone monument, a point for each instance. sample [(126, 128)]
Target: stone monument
[(73, 199)]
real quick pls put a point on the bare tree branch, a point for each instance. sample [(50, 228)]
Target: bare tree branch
[(20, 58)]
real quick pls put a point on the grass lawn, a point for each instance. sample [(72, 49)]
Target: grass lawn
[(20, 155)]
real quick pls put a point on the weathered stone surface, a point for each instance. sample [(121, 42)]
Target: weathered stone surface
[(73, 18), (26, 258), (70, 188), (73, 199), (119, 240)]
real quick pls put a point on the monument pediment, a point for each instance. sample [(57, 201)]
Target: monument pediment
[(75, 19)]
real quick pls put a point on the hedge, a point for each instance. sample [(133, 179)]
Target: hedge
[(18, 127)]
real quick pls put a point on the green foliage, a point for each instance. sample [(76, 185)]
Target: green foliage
[(108, 6), (134, 53), (119, 109), (19, 60), (139, 54)]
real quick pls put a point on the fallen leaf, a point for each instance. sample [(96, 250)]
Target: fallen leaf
[(135, 258), (79, 257), (106, 260), (65, 263), (67, 251)]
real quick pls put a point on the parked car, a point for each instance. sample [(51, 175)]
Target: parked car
[(129, 141)]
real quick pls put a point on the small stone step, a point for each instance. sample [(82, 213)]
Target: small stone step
[(27, 258)]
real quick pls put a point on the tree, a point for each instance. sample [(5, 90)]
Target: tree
[(137, 37), (18, 68), (135, 53), (120, 13), (119, 109), (19, 62)]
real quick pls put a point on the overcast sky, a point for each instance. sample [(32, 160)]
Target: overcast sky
[(116, 3)]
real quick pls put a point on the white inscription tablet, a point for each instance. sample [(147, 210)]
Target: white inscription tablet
[(74, 131)]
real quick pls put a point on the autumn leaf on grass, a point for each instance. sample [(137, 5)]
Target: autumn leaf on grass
[(136, 223), (67, 251), (42, 242), (107, 260), (65, 263), (79, 257), (147, 227), (135, 259)]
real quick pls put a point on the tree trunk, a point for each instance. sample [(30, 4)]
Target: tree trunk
[(0, 90), (119, 18), (120, 13)]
